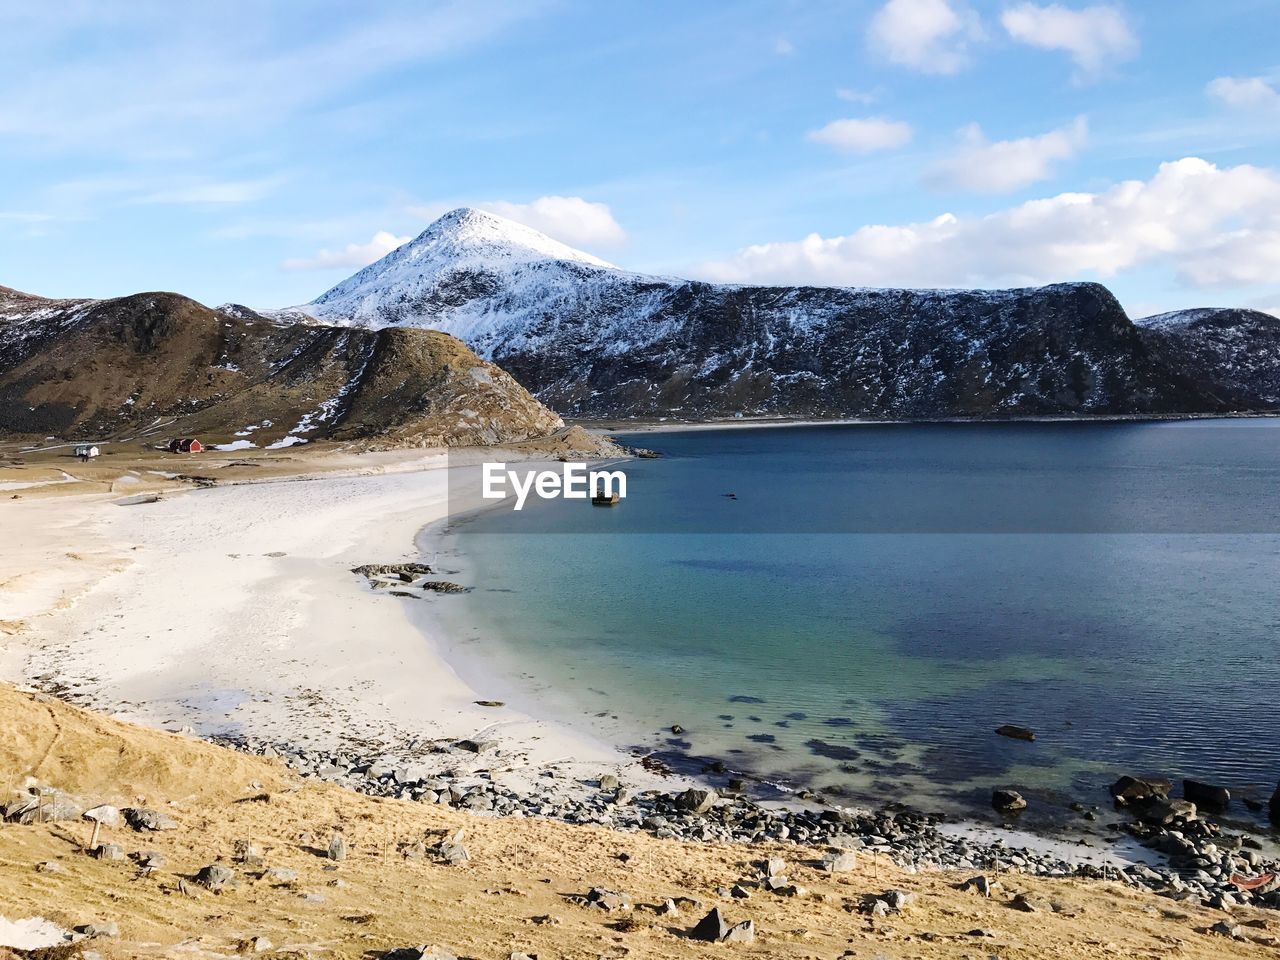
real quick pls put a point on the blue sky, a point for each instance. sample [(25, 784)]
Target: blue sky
[(260, 152)]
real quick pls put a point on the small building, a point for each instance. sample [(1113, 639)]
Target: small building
[(86, 451), (185, 445)]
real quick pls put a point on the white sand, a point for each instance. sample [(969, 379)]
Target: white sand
[(234, 610)]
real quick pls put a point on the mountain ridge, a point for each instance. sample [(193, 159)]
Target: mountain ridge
[(594, 341)]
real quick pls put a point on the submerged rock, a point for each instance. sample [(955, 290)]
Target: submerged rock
[(1206, 795), (1008, 801), (1015, 732), (1130, 789)]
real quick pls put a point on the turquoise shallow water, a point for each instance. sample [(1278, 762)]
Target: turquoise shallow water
[(876, 658)]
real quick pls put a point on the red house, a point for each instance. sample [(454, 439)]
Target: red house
[(185, 445)]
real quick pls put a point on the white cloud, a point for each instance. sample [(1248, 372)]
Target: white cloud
[(1094, 36), (352, 256), (1245, 93), (784, 47), (1006, 165), (571, 220), (864, 135), (1216, 227), (201, 193), (931, 36)]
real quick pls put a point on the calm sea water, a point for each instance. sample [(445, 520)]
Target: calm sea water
[(875, 600)]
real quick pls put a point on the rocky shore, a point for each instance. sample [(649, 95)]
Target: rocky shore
[(1196, 861)]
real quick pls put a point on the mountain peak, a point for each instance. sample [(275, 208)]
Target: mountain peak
[(468, 231)]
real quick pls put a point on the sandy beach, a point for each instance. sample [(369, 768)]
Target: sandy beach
[(233, 610)]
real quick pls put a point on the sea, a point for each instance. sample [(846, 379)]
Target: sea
[(855, 609)]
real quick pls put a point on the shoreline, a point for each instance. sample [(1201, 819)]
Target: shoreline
[(233, 611)]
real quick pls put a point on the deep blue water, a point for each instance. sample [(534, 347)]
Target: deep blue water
[(875, 600)]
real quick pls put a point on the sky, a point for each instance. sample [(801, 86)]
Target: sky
[(261, 152)]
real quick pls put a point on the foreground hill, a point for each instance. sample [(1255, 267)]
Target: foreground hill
[(591, 340), (271, 830), (160, 364)]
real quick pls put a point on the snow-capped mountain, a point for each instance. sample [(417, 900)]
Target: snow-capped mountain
[(1238, 351), (591, 340)]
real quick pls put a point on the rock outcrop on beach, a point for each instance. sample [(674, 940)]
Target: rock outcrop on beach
[(157, 365), (594, 341)]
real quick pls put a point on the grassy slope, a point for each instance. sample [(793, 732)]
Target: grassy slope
[(519, 870)]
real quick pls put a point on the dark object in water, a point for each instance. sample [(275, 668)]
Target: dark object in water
[(1008, 801), (1136, 789), (1206, 795), (602, 499), (1015, 732), (489, 703)]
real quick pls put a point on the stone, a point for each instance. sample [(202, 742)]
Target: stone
[(109, 851), (743, 932), (215, 876), (104, 814), (606, 899), (1227, 928), (444, 586), (420, 953), (453, 852), (1007, 801), (280, 875), (337, 847), (896, 899), (1130, 789), (1206, 796), (714, 929), (1029, 904), (92, 931), (1162, 811), (979, 885), (1274, 805), (696, 800), (609, 782), (49, 866), (255, 945), (775, 867), (838, 861), (477, 746), (149, 859), (143, 819), (1015, 732)]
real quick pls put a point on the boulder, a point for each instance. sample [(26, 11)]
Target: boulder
[(1161, 811), (453, 852), (477, 746), (979, 885), (1014, 732), (1206, 795), (215, 876), (1131, 789), (606, 899), (609, 782), (696, 800), (92, 931), (714, 929), (1007, 801), (143, 819), (109, 851), (337, 847), (838, 861)]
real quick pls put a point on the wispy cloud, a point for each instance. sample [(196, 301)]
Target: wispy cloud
[(864, 135), (980, 166), (931, 36), (1096, 37), (1246, 93), (353, 256)]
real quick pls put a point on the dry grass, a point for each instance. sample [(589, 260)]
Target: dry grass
[(520, 870)]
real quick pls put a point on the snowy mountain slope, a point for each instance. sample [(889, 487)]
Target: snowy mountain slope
[(1236, 351), (591, 340)]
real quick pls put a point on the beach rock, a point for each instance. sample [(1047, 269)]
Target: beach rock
[(109, 851), (104, 928), (1163, 811), (838, 861), (477, 746), (397, 570), (255, 945), (714, 929), (1007, 801), (444, 586), (609, 782), (979, 885), (143, 819), (1206, 795), (1015, 732), (215, 876), (696, 800), (104, 814), (337, 847), (1132, 789)]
